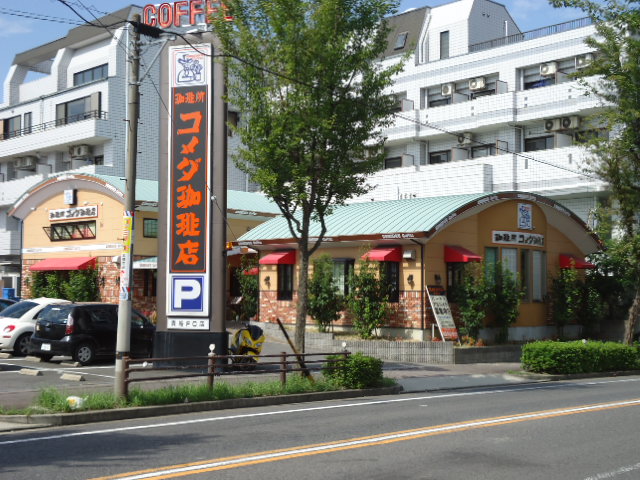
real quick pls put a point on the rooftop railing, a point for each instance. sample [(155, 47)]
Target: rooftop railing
[(531, 35)]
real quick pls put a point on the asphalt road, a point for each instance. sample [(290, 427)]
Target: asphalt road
[(583, 429)]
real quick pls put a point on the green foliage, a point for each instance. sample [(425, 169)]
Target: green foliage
[(249, 288), (357, 371), (488, 290), (615, 159), (325, 302), (578, 357), (307, 77), (74, 285), (368, 299)]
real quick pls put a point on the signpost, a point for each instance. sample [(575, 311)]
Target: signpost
[(442, 312)]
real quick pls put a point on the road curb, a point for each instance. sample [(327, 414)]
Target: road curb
[(76, 418)]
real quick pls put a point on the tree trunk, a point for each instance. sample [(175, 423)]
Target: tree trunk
[(302, 306), (630, 323)]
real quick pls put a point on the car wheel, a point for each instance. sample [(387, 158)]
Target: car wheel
[(21, 347), (85, 353)]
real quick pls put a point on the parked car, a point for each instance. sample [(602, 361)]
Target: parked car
[(6, 302), (17, 323), (86, 331)]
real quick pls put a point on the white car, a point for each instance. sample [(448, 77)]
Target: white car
[(17, 323)]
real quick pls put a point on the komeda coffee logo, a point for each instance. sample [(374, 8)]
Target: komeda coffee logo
[(190, 69), (183, 13)]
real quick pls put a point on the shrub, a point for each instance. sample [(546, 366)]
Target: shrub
[(325, 301), (578, 357), (368, 300), (357, 371)]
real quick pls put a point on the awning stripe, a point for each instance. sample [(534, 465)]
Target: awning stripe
[(571, 261), (65, 263), (457, 254), (287, 257), (388, 254)]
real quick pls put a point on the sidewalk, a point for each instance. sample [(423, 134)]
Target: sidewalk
[(411, 378)]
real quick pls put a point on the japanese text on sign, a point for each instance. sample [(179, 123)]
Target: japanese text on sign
[(90, 211), (442, 312), (517, 238)]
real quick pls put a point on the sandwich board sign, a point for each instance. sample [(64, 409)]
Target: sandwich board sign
[(442, 312)]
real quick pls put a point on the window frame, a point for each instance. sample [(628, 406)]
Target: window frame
[(446, 153), (341, 278), (102, 72), (146, 222), (391, 275), (285, 282), (528, 143), (445, 44), (70, 231)]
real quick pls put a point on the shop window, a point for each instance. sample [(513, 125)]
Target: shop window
[(440, 157), (538, 276), (538, 143), (150, 227), (150, 283), (391, 274), (59, 232), (525, 275), (455, 279), (528, 267), (342, 271), (285, 282), (91, 75), (444, 44)]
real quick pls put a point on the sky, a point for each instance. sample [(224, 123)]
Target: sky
[(27, 25)]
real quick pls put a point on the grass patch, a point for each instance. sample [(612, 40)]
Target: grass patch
[(52, 400)]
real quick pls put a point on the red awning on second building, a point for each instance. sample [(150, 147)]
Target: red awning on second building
[(251, 271), (381, 254), (456, 254), (286, 257), (68, 263), (571, 261)]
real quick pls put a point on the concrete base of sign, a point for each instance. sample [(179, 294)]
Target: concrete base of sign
[(189, 344)]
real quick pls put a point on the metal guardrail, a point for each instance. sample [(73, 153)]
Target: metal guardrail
[(531, 34), (41, 127), (212, 366)]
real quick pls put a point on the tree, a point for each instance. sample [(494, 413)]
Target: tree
[(473, 299), (368, 299), (325, 301), (308, 76), (617, 159), (249, 288)]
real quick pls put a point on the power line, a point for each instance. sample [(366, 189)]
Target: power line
[(38, 16)]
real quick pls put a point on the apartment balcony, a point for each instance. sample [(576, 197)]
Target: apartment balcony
[(87, 128), (568, 98), (9, 242)]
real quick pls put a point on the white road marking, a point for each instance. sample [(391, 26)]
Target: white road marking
[(615, 473), (309, 409)]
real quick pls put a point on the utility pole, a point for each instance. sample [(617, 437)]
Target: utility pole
[(123, 340)]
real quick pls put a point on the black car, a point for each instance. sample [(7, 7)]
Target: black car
[(85, 331)]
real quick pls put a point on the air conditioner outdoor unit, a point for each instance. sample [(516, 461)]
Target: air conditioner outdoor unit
[(448, 89), (465, 139), (584, 60), (26, 163), (570, 123), (79, 151), (552, 125), (478, 83), (547, 69)]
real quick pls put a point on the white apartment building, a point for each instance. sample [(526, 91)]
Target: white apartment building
[(484, 107), (64, 110)]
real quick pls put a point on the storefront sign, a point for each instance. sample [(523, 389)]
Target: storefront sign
[(125, 258), (182, 13), (517, 238), (74, 213), (174, 323), (525, 216), (442, 312), (189, 181)]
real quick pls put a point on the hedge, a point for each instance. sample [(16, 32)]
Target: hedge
[(580, 356), (357, 371)]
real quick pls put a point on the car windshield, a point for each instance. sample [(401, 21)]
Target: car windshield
[(55, 313), (18, 309)]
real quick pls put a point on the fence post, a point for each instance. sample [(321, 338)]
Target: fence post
[(211, 367), (283, 368), (125, 360)]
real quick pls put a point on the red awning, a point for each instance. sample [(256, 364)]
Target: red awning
[(388, 254), (251, 271), (68, 263), (571, 261), (287, 257), (456, 254)]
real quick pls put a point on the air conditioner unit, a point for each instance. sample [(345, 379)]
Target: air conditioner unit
[(25, 163), (584, 60), (465, 139), (548, 69), (448, 89), (570, 123), (478, 83), (552, 125), (80, 151)]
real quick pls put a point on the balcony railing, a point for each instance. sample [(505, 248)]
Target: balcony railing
[(530, 35), (93, 114)]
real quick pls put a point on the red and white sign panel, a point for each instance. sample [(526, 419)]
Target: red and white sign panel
[(442, 312)]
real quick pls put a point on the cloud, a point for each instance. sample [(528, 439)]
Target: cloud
[(9, 28)]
